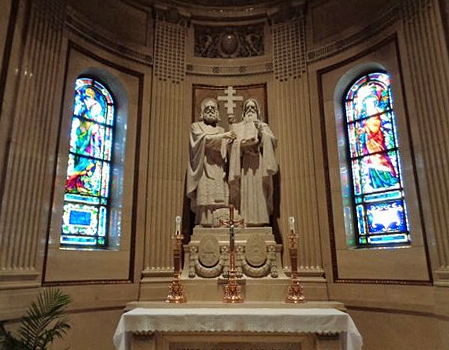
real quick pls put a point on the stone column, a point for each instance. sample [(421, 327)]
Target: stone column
[(428, 64), (167, 146), (30, 109), (293, 119)]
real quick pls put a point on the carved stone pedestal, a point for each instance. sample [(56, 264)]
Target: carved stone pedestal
[(257, 254)]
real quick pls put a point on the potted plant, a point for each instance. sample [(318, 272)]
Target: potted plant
[(45, 321)]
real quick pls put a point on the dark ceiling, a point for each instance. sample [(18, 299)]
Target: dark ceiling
[(223, 3), (217, 3)]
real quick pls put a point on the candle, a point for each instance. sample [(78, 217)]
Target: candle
[(291, 220), (292, 236), (178, 225)]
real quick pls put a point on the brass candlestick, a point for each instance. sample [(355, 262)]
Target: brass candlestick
[(232, 291), (295, 293), (176, 294)]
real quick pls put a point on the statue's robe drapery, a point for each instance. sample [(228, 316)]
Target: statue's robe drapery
[(206, 186), (251, 169)]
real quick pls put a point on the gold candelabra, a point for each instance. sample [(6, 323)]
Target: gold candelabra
[(176, 289), (232, 291), (295, 292)]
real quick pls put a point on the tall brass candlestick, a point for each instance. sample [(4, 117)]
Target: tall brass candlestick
[(232, 291), (295, 290), (176, 294)]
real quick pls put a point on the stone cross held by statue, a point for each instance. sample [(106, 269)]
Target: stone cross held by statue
[(230, 99)]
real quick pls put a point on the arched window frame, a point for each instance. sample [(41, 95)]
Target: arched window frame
[(114, 261), (351, 262), (379, 209), (87, 199)]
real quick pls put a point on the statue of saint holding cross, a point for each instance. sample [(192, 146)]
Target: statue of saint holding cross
[(243, 160), (252, 164)]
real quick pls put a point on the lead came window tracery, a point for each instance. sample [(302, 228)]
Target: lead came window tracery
[(87, 187), (374, 161)]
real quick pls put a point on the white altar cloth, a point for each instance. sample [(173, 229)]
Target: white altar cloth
[(268, 320)]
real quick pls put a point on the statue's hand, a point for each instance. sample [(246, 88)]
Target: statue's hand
[(248, 143), (230, 135)]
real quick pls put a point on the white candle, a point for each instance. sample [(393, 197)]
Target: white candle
[(178, 225), (291, 220)]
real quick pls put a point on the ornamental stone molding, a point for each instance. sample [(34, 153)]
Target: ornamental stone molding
[(77, 23), (229, 41)]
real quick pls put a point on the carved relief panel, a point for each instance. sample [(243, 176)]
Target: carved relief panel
[(229, 41)]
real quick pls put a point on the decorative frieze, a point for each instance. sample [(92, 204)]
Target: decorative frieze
[(229, 41), (259, 68)]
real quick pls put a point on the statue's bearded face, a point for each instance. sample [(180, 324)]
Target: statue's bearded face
[(250, 111), (210, 112)]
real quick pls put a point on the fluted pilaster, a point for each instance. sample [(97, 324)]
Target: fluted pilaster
[(429, 73), (298, 192), (24, 204), (166, 192)]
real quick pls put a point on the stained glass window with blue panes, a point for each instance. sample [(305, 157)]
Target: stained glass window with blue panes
[(379, 205), (86, 201)]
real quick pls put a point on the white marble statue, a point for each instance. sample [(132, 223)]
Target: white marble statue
[(252, 164), (206, 185)]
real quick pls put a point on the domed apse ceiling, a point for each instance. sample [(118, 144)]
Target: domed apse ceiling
[(217, 3), (221, 3), (223, 9)]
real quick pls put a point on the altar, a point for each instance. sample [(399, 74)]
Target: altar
[(231, 289), (252, 326)]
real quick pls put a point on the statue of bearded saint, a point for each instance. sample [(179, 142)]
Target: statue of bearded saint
[(252, 164), (207, 188)]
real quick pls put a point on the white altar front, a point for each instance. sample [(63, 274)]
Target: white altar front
[(236, 327)]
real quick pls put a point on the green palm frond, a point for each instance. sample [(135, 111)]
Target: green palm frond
[(44, 322), (47, 310), (8, 342)]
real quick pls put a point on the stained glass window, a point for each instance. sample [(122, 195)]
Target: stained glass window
[(379, 205), (87, 187)]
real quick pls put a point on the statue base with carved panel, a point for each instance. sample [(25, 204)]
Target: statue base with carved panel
[(257, 254)]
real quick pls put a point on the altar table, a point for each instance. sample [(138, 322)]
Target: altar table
[(239, 320)]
